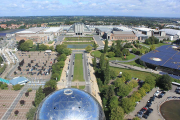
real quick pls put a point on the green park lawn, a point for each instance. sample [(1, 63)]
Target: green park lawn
[(78, 68), (50, 42), (78, 38), (98, 53), (156, 45), (134, 73), (80, 87)]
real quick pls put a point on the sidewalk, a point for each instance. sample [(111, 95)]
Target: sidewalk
[(94, 85), (63, 82)]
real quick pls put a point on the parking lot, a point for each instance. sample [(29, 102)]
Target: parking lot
[(155, 115), (35, 65)]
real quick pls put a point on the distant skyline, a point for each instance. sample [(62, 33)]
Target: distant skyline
[(142, 8)]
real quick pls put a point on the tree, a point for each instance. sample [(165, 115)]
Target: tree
[(27, 94), (62, 57), (102, 57), (95, 46), (118, 82), (111, 54), (109, 93), (107, 73), (151, 81), (117, 113), (164, 82), (142, 92), (4, 86), (24, 46), (152, 47), (55, 76), (88, 48), (94, 62), (136, 118), (39, 96), (17, 87), (126, 75), (30, 114), (22, 102), (20, 42), (137, 96), (125, 52), (51, 83), (127, 105), (60, 64), (112, 48), (146, 87), (66, 51), (16, 112), (59, 48), (51, 48), (113, 103), (118, 53), (48, 90), (112, 74), (123, 90), (133, 84), (106, 46)]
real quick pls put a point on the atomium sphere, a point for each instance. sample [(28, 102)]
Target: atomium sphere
[(70, 104)]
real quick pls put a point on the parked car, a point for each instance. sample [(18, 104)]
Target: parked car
[(157, 93), (152, 98), (140, 114), (161, 95), (148, 112), (148, 105)]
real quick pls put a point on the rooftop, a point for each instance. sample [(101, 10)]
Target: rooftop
[(171, 31), (52, 29)]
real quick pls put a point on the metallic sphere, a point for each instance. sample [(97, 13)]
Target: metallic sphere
[(69, 104)]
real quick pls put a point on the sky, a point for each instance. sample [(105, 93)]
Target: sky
[(146, 8)]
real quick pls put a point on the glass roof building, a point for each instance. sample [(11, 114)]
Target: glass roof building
[(70, 104)]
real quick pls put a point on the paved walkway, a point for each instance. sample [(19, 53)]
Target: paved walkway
[(94, 85), (14, 103)]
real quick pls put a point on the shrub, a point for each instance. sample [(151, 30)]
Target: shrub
[(22, 102), (4, 86), (17, 87), (111, 54), (16, 112), (29, 90), (27, 94)]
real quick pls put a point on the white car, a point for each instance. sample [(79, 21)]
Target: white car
[(157, 93)]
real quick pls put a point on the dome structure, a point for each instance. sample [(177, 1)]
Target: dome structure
[(69, 104)]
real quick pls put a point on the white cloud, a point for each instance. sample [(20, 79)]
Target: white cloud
[(100, 7)]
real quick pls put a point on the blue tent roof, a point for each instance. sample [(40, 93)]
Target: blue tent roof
[(2, 34), (18, 80), (4, 81)]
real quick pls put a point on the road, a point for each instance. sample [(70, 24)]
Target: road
[(86, 73), (98, 40), (85, 70), (71, 71)]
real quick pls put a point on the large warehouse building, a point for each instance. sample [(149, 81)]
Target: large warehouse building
[(165, 58)]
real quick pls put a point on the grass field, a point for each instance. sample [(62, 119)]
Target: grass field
[(98, 53), (69, 43), (78, 39), (78, 68), (156, 45), (170, 110), (134, 73), (80, 87), (50, 42)]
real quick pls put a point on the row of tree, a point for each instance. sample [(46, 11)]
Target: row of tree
[(50, 85), (28, 46)]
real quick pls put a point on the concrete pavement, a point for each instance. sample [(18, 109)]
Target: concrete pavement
[(98, 40)]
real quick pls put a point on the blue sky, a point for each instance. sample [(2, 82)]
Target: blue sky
[(150, 8)]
